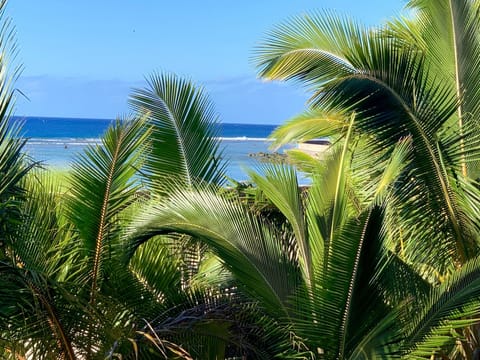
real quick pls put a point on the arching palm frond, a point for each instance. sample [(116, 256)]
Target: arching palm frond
[(447, 33), (309, 125), (393, 94), (102, 185), (248, 249), (253, 254), (311, 48), (185, 145), (102, 188)]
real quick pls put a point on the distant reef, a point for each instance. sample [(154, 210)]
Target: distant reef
[(270, 157)]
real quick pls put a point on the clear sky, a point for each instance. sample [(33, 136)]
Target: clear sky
[(81, 58)]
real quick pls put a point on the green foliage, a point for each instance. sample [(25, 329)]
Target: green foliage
[(184, 139), (139, 253), (14, 164), (409, 82)]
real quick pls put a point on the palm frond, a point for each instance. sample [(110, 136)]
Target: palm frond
[(103, 185), (34, 312), (185, 145), (327, 205), (14, 164), (280, 185), (343, 289), (431, 321), (307, 164), (310, 125), (447, 33), (249, 249), (311, 48)]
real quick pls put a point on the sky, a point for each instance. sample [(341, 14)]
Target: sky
[(82, 58)]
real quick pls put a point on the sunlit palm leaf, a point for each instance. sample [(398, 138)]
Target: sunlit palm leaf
[(103, 185), (280, 185), (248, 249), (309, 125), (185, 144), (312, 48), (447, 32)]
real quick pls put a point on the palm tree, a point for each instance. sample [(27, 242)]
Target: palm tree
[(413, 79), (83, 292), (368, 246), (397, 90), (328, 277), (315, 279), (203, 308), (143, 256)]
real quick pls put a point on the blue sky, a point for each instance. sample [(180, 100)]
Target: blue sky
[(81, 58)]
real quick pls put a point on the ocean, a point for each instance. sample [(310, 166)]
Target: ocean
[(56, 141)]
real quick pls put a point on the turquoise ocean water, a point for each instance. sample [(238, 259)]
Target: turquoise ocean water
[(56, 141)]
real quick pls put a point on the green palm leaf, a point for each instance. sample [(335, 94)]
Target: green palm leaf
[(14, 164), (447, 33), (311, 48), (280, 185), (102, 186), (250, 250), (394, 96), (432, 319), (185, 145), (309, 125)]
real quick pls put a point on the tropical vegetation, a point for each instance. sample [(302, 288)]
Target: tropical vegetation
[(143, 250)]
